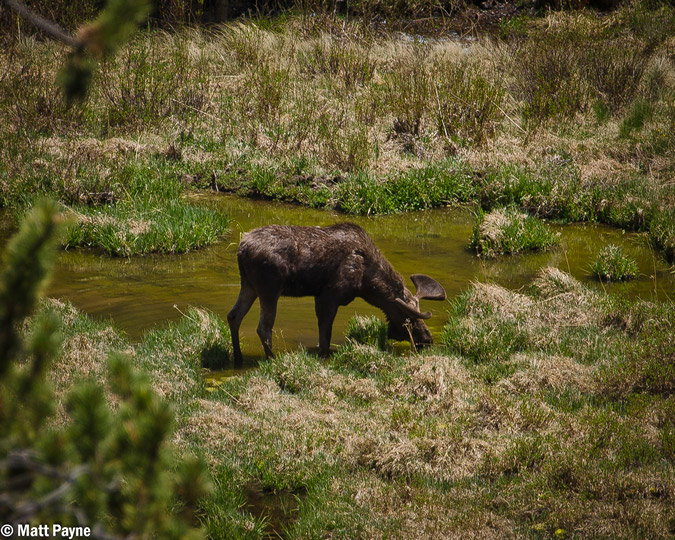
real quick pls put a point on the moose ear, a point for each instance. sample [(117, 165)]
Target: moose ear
[(428, 287), (411, 312)]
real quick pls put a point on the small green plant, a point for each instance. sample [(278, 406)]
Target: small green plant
[(640, 112), (507, 231), (367, 331), (514, 27), (601, 111), (612, 264)]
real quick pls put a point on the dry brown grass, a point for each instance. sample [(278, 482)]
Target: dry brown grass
[(422, 446), (542, 372)]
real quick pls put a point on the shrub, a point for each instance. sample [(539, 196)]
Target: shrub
[(612, 264)]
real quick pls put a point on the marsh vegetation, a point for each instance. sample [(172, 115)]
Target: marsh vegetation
[(543, 412), (540, 411), (569, 116)]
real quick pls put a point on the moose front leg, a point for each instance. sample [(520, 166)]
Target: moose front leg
[(326, 310)]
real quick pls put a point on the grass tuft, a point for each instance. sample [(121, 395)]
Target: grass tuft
[(507, 231), (128, 229), (612, 264), (367, 331)]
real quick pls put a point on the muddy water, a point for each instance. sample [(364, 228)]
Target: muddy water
[(143, 292)]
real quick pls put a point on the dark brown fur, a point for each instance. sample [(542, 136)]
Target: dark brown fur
[(335, 265)]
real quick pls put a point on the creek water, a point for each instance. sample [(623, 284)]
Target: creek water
[(143, 292)]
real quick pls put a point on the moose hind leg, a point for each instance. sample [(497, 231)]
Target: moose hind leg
[(241, 307), (268, 313)]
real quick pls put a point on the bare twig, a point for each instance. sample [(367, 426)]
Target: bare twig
[(30, 509), (48, 27), (440, 115), (28, 460)]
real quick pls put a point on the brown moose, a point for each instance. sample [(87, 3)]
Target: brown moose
[(334, 265)]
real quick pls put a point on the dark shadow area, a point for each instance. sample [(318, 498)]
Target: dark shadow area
[(278, 508)]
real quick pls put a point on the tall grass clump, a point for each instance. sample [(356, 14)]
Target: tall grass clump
[(345, 60), (560, 72), (468, 105), (547, 78), (155, 76), (406, 92), (485, 334), (507, 231), (178, 350), (612, 264), (367, 331)]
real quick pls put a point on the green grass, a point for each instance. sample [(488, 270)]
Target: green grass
[(640, 112), (367, 331), (507, 231), (136, 229), (612, 264), (517, 409)]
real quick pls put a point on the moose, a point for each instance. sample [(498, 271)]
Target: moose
[(333, 264)]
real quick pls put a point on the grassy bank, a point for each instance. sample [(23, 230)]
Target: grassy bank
[(541, 414), (570, 116)]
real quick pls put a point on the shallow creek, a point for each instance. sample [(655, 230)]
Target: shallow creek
[(143, 292)]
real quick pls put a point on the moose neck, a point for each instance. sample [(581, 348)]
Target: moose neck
[(382, 285)]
